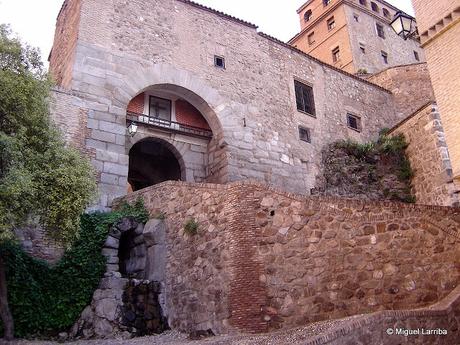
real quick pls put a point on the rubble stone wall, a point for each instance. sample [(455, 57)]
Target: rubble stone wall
[(264, 259)]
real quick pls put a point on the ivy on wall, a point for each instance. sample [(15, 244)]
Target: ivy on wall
[(46, 300)]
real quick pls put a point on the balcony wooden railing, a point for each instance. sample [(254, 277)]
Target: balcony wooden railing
[(170, 126)]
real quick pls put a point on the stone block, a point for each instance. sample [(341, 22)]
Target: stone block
[(116, 169), (103, 136), (96, 144), (107, 156), (154, 232), (112, 242), (112, 127), (109, 178)]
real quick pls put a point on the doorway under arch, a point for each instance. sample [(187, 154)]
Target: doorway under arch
[(152, 161)]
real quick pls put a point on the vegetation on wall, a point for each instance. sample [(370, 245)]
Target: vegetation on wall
[(41, 179), (376, 170), (47, 300), (191, 227)]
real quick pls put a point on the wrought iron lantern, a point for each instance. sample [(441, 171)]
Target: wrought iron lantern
[(404, 25), (132, 129)]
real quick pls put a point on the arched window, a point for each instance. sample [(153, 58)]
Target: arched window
[(363, 2), (386, 13), (307, 15), (374, 7)]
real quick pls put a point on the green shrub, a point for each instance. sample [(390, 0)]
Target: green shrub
[(394, 144), (360, 151), (47, 300), (191, 227)]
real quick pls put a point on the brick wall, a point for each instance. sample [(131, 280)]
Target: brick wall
[(442, 54), (429, 157), (326, 40), (429, 13), (136, 105), (410, 85), (65, 40), (187, 114), (281, 260)]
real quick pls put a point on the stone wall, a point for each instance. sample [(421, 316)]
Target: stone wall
[(429, 157), (250, 107), (35, 242), (364, 32), (437, 325), (62, 55), (264, 259), (410, 85)]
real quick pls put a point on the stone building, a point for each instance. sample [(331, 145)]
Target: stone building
[(205, 108), (439, 29), (354, 35)]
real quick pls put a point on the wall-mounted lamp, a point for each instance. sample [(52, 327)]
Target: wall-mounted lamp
[(132, 129), (404, 25)]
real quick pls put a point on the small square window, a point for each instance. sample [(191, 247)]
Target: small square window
[(386, 13), (416, 55), (219, 61), (362, 47), (304, 134), (374, 7), (356, 17), (331, 23), (380, 30), (336, 54), (304, 98), (385, 57), (354, 122), (311, 38)]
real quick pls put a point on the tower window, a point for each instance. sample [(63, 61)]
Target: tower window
[(304, 98), (386, 13), (416, 55), (219, 61), (304, 134), (331, 23), (362, 47), (374, 7), (311, 38), (356, 17), (363, 2), (380, 30), (354, 122), (307, 15), (384, 57), (336, 54), (326, 2)]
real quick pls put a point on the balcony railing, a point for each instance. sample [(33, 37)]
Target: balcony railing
[(170, 126)]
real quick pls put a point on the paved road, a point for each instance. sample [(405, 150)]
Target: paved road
[(293, 336)]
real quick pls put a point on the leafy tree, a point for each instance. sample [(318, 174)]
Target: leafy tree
[(40, 178)]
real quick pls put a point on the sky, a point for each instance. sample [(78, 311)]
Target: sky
[(34, 20)]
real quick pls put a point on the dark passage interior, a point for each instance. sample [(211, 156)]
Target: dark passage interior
[(152, 162)]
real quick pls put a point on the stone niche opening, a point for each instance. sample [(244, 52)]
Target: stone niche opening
[(152, 161), (141, 312), (132, 255)]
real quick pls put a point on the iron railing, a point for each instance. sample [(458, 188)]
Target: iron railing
[(168, 125)]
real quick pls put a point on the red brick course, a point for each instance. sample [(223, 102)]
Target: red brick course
[(187, 114)]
